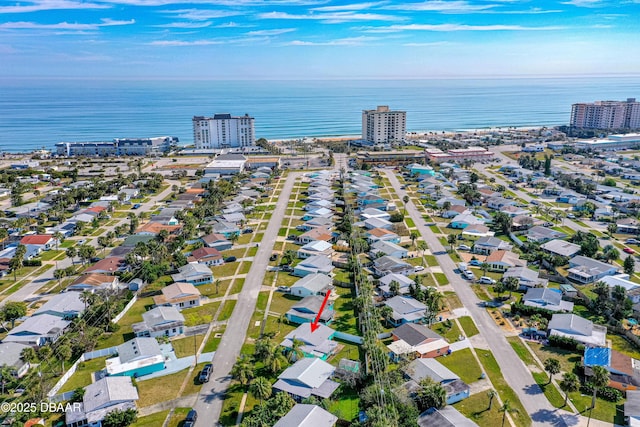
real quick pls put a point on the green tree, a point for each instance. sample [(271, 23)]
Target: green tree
[(599, 379), (71, 252), (295, 352), (44, 352), (451, 239), (119, 418), (405, 199), (13, 310), (413, 236), (511, 284), (260, 388), (430, 395), (506, 408), (610, 253), (275, 361), (552, 366), (612, 228), (28, 355), (86, 252), (569, 384), (242, 370), (394, 287), (491, 394), (629, 265), (64, 353), (78, 395)]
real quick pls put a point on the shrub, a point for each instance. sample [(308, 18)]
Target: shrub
[(32, 263), (525, 310), (607, 393), (565, 343)]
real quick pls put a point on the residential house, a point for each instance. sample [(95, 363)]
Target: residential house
[(502, 260), (570, 198), (206, 256), (371, 199), (314, 223), (463, 221), (318, 247), (549, 299), (568, 291), (561, 248), (445, 417), (452, 200), (38, 330), (588, 270), (217, 241), (526, 277), (543, 234), (94, 281), (67, 306), (390, 264), (454, 211), (179, 295), (43, 242), (196, 274), (307, 377), (628, 226), (315, 264), (318, 234), (632, 408), (312, 284), (99, 399), (166, 216), (372, 223), (11, 357), (137, 357), (578, 328), (412, 340), (387, 248), (384, 284), (318, 213), (632, 288), (419, 169), (225, 228), (374, 213), (154, 228), (318, 343), (477, 230), (498, 203), (382, 234), (420, 369), (109, 266), (488, 245), (306, 311), (234, 218), (624, 371), (318, 204), (304, 415), (405, 310), (161, 321), (524, 222), (514, 211)]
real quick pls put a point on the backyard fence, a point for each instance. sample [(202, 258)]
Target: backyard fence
[(125, 309)]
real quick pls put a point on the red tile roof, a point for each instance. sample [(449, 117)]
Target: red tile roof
[(36, 239)]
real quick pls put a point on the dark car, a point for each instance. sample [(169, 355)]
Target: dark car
[(247, 231), (205, 374), (190, 421), (286, 268), (136, 206), (273, 257), (230, 259), (95, 259)]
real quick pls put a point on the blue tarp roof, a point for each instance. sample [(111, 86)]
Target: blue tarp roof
[(597, 356)]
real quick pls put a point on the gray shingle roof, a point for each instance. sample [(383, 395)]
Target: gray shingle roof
[(571, 323), (137, 348), (303, 415), (414, 334), (422, 368)]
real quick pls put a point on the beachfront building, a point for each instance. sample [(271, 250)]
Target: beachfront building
[(458, 155), (118, 147), (606, 114), (610, 143), (223, 131), (382, 126)]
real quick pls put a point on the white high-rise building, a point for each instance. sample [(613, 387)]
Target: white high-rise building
[(606, 115), (382, 126), (223, 131)]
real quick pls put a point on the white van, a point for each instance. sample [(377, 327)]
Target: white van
[(462, 267)]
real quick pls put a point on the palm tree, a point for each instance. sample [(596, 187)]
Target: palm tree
[(275, 361), (59, 237), (64, 353), (260, 389), (405, 199), (552, 366), (451, 239), (28, 355), (243, 371), (511, 284), (295, 353), (506, 408), (598, 380), (413, 236), (569, 384), (491, 394), (484, 267), (422, 246)]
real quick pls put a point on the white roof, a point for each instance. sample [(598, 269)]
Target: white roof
[(309, 371)]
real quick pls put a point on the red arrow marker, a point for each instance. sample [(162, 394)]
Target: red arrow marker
[(315, 324)]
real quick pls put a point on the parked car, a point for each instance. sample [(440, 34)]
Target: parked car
[(284, 289), (418, 268), (475, 262), (273, 257), (287, 268), (190, 421), (292, 237), (632, 241), (486, 280), (629, 250), (464, 247), (468, 275), (230, 259), (247, 231), (571, 216), (205, 374), (136, 206)]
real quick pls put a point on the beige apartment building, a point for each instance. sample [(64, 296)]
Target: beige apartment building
[(606, 115), (382, 126)]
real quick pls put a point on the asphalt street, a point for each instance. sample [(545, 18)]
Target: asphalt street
[(515, 372), (211, 396)]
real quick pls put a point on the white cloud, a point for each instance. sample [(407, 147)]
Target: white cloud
[(456, 27), (39, 5), (356, 6), (455, 6), (72, 26), (201, 14), (584, 3), (207, 42), (273, 32), (418, 44), (232, 24), (331, 18), (349, 41), (237, 3), (185, 25)]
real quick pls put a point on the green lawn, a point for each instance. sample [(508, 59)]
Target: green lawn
[(231, 405), (227, 309), (431, 260), (160, 389), (567, 358), (228, 269), (409, 222), (212, 342), (441, 278), (237, 286), (619, 343), (450, 334), (453, 300), (125, 332), (345, 403), (187, 346), (495, 374), (177, 418), (468, 326), (520, 348), (156, 419), (604, 410), (476, 408), (49, 255), (344, 320), (550, 391), (463, 364), (82, 376), (481, 292), (200, 315)]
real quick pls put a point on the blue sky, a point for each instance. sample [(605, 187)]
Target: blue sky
[(317, 39)]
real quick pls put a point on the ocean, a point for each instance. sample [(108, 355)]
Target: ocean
[(39, 113)]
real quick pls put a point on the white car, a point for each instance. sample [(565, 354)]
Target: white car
[(464, 248), (571, 216), (486, 280), (468, 275), (632, 241), (418, 268)]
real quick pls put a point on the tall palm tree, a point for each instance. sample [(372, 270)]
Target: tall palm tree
[(552, 366), (569, 384), (295, 352), (598, 380), (243, 370), (275, 361), (491, 394), (422, 246), (260, 389), (506, 408)]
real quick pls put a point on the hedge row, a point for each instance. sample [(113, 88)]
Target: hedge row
[(566, 343), (525, 310), (607, 393)]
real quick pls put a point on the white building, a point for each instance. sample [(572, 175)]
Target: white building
[(118, 147), (381, 126), (606, 114), (223, 131)]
